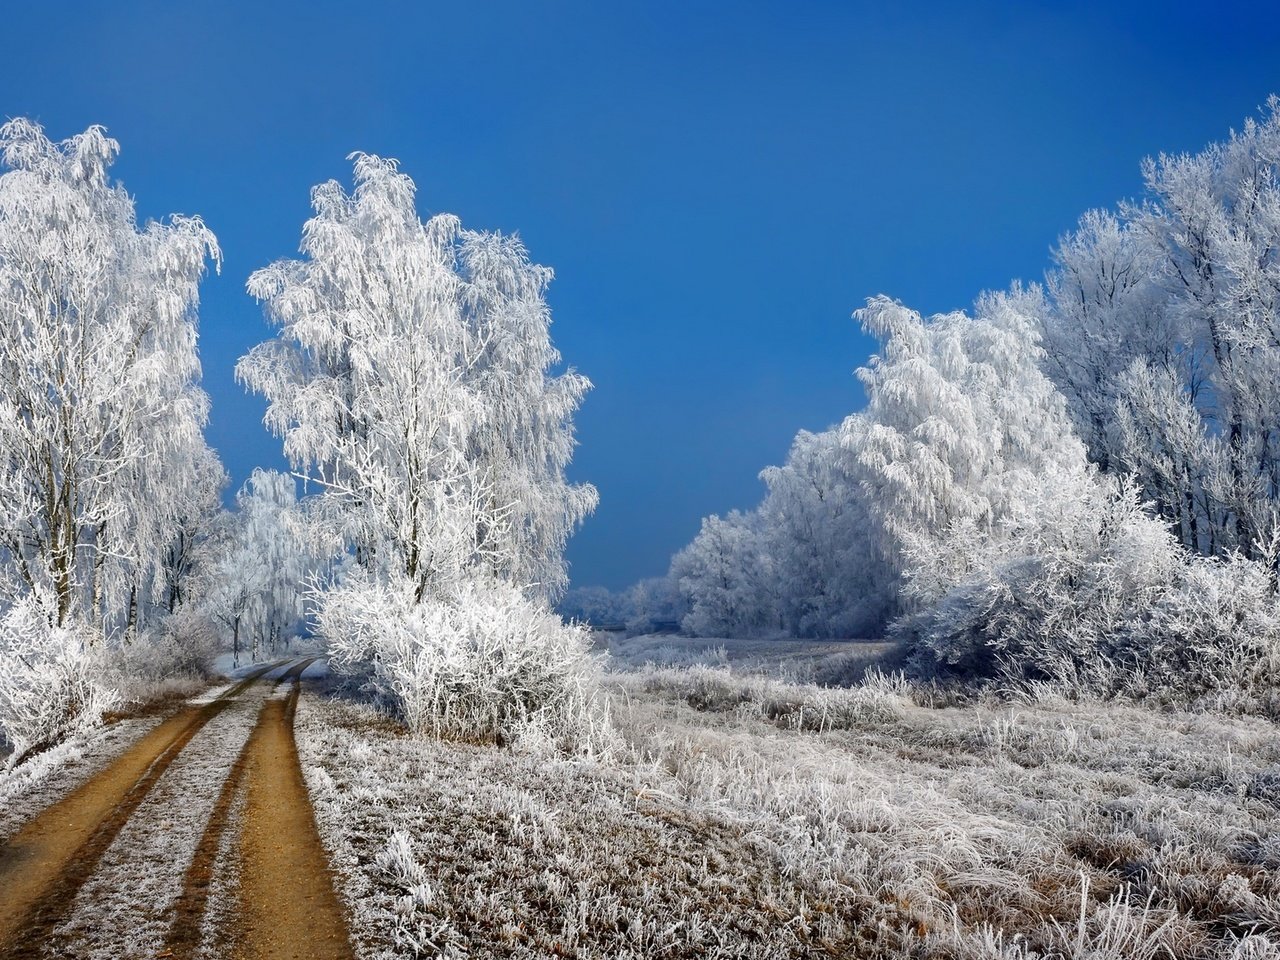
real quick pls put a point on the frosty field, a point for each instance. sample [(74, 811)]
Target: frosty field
[(747, 816), (739, 811)]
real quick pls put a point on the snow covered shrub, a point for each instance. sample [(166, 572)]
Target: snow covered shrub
[(182, 645), (1215, 633), (481, 663), (48, 686), (1108, 603), (1043, 591)]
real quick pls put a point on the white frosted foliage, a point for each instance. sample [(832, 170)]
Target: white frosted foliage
[(101, 414)]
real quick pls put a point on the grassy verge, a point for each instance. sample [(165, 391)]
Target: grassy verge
[(752, 816)]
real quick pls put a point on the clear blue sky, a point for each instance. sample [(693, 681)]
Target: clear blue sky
[(716, 185)]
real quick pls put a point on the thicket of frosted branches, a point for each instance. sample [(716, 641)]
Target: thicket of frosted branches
[(1078, 481)]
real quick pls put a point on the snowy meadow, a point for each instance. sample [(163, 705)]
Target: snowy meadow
[(992, 671)]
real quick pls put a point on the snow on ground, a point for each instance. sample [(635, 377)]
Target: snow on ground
[(753, 816), (49, 776), (123, 906)]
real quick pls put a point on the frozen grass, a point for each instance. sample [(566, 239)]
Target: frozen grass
[(461, 848), (828, 662), (755, 817)]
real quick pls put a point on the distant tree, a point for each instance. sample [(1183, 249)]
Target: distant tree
[(267, 566), (193, 544), (725, 575), (102, 456), (650, 604), (239, 577), (830, 577), (275, 524), (593, 605)]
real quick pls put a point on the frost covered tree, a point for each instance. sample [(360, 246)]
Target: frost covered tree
[(101, 415), (725, 574), (412, 381), (653, 603), (964, 439), (1163, 329), (266, 565), (1019, 557), (240, 575), (192, 549), (807, 562), (830, 577), (274, 528)]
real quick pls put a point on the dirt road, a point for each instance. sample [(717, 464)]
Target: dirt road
[(198, 840)]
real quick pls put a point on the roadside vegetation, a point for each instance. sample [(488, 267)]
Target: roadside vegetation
[(748, 815)]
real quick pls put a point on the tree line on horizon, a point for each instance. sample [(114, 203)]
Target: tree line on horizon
[(1078, 481)]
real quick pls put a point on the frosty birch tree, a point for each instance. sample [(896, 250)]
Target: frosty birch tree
[(101, 415), (1163, 329), (963, 437), (189, 549), (411, 381)]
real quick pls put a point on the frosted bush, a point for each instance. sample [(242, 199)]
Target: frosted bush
[(1215, 632), (48, 687), (183, 644), (481, 663), (1109, 603)]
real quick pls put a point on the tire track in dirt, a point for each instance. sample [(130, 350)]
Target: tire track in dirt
[(289, 907), (44, 865), (185, 932)]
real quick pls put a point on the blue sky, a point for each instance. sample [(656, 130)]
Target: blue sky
[(716, 185)]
